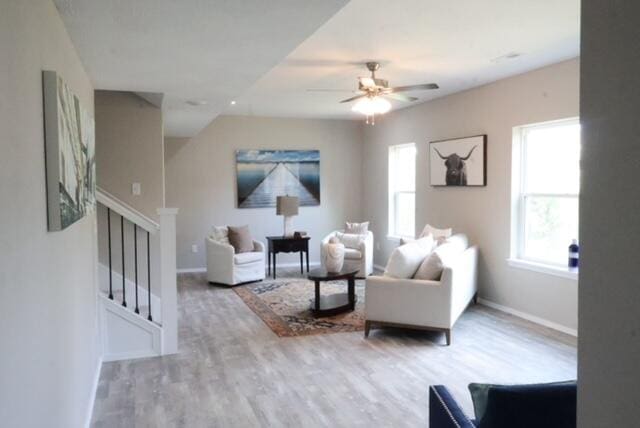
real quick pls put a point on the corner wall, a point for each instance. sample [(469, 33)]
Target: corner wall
[(201, 180), (482, 213), (129, 149), (609, 342), (48, 309)]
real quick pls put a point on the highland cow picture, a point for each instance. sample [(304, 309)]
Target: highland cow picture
[(459, 162)]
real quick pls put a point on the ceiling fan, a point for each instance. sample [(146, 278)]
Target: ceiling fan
[(373, 94)]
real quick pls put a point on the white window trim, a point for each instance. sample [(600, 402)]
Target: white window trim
[(391, 226), (518, 207)]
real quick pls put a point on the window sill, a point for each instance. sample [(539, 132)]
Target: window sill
[(394, 238), (563, 272)]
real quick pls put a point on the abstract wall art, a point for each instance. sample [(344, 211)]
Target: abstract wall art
[(69, 154), (262, 175)]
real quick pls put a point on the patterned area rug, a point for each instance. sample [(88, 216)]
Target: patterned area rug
[(283, 304)]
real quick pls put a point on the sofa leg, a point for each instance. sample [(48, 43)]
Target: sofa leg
[(447, 334), (475, 299), (367, 328)]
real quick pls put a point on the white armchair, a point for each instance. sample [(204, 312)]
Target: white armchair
[(226, 267), (361, 258), (421, 304)]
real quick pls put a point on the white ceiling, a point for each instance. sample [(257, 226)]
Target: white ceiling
[(451, 43), (209, 50)]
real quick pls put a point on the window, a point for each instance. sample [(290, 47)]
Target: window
[(546, 186), (402, 190)]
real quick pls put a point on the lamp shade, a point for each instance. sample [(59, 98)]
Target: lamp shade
[(287, 205)]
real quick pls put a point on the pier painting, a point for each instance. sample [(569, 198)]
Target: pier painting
[(264, 174)]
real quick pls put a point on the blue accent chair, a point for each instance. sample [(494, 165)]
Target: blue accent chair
[(512, 406)]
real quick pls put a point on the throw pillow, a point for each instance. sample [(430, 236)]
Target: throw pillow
[(426, 241), (220, 234), (350, 240), (432, 266), (437, 233), (240, 238), (459, 240), (550, 405), (356, 228), (405, 260)]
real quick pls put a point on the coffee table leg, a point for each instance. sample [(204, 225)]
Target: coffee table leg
[(269, 268), (352, 292), (317, 295)]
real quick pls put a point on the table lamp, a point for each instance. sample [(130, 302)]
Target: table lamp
[(287, 206)]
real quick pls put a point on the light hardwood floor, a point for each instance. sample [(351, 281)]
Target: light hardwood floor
[(232, 371)]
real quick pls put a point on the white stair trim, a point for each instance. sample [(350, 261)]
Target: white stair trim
[(128, 212), (110, 307)]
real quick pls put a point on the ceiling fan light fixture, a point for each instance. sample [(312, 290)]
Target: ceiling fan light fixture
[(371, 106)]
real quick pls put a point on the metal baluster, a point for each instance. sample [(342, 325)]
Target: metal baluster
[(124, 289), (149, 276), (135, 261), (109, 240)]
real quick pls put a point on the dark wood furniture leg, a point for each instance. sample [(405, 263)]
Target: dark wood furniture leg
[(274, 264), (447, 334), (269, 267), (367, 328), (352, 292), (317, 283), (307, 258), (301, 265)]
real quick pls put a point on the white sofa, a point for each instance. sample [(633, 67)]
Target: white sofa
[(226, 267), (421, 304), (361, 258)]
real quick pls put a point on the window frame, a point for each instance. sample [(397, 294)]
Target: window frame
[(393, 193), (519, 197)]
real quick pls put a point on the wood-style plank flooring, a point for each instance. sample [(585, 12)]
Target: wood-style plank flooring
[(232, 371)]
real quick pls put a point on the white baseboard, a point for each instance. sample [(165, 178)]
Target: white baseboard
[(279, 265), (529, 317), (192, 270), (94, 391), (378, 267)]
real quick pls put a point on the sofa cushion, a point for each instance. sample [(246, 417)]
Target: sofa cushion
[(248, 257), (240, 238), (350, 240), (439, 235), (405, 260), (351, 254), (356, 228), (551, 405), (444, 255)]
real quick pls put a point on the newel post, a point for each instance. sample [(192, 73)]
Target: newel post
[(168, 282)]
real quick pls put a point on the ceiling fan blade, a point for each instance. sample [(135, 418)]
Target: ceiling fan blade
[(422, 87), (330, 90), (348, 100), (400, 97)]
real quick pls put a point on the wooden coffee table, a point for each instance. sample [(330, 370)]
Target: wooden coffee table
[(332, 304)]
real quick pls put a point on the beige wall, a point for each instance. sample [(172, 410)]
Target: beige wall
[(201, 179), (483, 213), (609, 342), (48, 314), (129, 149)]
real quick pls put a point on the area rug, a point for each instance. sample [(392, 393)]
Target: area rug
[(284, 305)]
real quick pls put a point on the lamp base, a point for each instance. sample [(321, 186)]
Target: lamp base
[(288, 226)]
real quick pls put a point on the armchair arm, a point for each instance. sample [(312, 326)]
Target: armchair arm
[(444, 412), (325, 240), (219, 261)]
